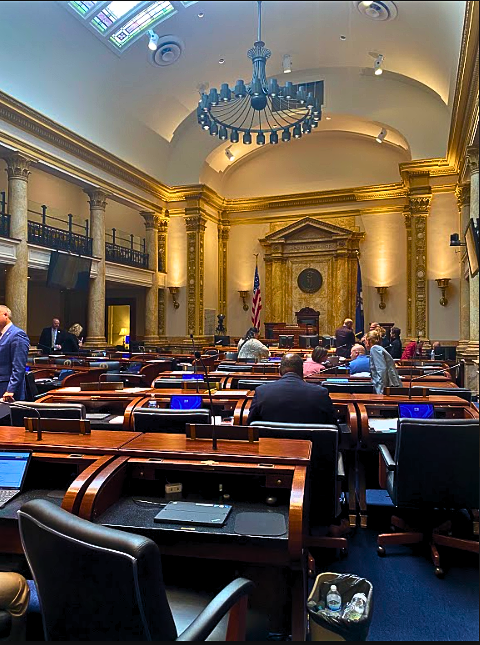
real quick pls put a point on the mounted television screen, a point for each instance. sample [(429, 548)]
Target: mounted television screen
[(67, 271), (471, 240)]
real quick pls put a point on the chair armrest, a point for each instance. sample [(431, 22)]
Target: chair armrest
[(340, 467), (387, 457), (213, 613)]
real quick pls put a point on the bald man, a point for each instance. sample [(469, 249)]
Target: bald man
[(345, 338), (360, 362)]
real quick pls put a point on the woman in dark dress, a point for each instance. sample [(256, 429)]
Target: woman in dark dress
[(71, 341), (395, 348)]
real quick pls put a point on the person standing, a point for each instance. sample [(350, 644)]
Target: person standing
[(71, 339), (14, 346), (345, 338), (395, 347), (51, 337), (250, 347), (382, 367)]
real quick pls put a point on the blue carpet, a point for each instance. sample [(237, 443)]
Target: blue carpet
[(410, 602)]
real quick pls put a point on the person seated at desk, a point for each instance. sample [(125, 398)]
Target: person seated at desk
[(412, 350), (315, 363), (360, 362), (290, 399), (71, 339), (383, 370), (250, 347)]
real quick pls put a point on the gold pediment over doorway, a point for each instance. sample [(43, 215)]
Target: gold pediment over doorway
[(307, 229)]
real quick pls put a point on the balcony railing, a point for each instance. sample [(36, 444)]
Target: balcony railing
[(4, 216), (121, 248), (61, 239)]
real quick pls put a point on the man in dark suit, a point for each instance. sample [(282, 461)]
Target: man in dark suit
[(345, 338), (14, 345), (51, 338), (290, 399)]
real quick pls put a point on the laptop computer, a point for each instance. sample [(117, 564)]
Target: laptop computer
[(416, 411), (13, 468), (188, 513), (185, 402)]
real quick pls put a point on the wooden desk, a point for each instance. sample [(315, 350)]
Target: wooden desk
[(250, 472), (97, 442)]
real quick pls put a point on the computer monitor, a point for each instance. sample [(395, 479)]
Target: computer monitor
[(286, 341), (185, 402), (222, 341), (415, 411), (308, 341)]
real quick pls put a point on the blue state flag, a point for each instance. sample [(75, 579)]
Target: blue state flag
[(359, 318)]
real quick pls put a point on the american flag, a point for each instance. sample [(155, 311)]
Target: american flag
[(256, 300)]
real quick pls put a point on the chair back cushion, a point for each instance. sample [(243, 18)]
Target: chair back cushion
[(437, 463), (352, 388), (94, 583), (111, 366), (168, 421), (249, 385), (462, 392), (47, 411), (323, 463)]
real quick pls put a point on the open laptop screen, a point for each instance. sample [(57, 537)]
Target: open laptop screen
[(415, 411), (13, 467), (185, 402)]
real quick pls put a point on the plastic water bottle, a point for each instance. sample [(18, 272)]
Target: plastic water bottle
[(355, 609), (432, 355), (334, 600)]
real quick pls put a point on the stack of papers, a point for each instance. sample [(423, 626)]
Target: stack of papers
[(382, 425)]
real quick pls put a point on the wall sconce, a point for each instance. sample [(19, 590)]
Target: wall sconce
[(244, 296), (382, 292), (174, 291), (442, 284)]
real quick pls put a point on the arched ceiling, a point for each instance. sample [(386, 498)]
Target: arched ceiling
[(143, 113)]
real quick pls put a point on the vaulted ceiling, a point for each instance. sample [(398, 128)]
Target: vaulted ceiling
[(145, 114)]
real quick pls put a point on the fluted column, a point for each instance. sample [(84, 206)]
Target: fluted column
[(151, 299), (162, 267), (96, 292), (16, 279), (195, 224), (471, 351), (416, 215), (463, 201), (223, 235)]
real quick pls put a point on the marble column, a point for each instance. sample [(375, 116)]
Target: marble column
[(416, 215), (223, 235), (162, 267), (195, 223), (463, 201), (96, 293), (16, 279), (472, 350), (151, 299)]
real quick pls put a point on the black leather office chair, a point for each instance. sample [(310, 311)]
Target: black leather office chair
[(31, 389), (97, 584), (127, 378), (168, 421), (435, 469), (462, 392), (326, 473), (225, 367), (244, 384), (167, 383), (47, 411), (352, 388)]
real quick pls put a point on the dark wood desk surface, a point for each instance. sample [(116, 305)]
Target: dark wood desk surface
[(291, 452), (436, 399), (99, 441)]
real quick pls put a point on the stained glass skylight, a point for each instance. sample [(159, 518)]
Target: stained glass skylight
[(141, 21), (120, 23)]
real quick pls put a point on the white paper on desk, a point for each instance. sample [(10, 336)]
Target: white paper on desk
[(117, 420), (383, 425)]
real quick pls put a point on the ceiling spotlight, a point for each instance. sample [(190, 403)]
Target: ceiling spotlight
[(328, 118), (287, 64), (377, 65), (229, 154), (153, 40), (343, 37), (221, 61), (381, 136), (367, 3), (200, 14)]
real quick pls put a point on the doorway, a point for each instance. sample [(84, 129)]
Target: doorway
[(118, 325)]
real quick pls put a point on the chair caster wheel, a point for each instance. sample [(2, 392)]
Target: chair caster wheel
[(343, 553), (439, 572), (381, 551)]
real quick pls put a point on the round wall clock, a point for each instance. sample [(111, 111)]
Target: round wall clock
[(309, 280)]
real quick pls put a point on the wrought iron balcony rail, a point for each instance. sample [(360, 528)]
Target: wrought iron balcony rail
[(126, 249), (4, 216), (60, 238)]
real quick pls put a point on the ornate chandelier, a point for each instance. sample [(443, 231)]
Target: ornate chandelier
[(262, 107)]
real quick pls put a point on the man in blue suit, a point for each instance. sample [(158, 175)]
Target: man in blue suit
[(14, 345)]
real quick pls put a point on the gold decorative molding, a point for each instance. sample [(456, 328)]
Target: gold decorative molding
[(472, 159), (162, 242), (161, 312), (223, 236), (97, 198), (151, 219), (18, 166), (195, 226), (462, 193)]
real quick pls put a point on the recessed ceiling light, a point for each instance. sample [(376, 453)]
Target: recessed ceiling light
[(381, 136), (200, 14), (328, 118), (342, 37), (221, 61)]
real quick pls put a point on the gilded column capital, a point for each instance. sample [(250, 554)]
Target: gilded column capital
[(151, 219), (18, 166), (472, 156), (419, 204), (224, 231), (162, 225), (462, 193), (195, 223), (97, 198)]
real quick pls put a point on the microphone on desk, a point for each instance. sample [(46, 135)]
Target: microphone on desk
[(18, 404), (419, 378), (194, 364), (214, 431)]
